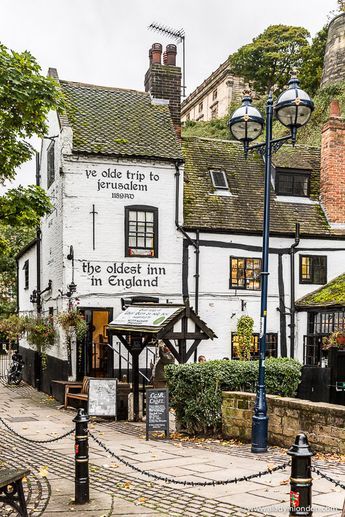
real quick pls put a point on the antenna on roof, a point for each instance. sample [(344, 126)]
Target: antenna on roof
[(180, 36)]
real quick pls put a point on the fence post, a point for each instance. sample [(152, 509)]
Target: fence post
[(81, 458), (300, 480)]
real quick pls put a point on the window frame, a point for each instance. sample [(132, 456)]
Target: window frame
[(293, 173), (142, 208), (26, 269), (271, 339), (244, 288), (211, 171), (311, 279), (201, 106), (214, 94), (51, 164)]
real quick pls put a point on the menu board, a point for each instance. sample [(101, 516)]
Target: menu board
[(157, 411), (102, 397)]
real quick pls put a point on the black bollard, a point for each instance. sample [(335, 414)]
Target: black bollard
[(81, 458), (300, 480)]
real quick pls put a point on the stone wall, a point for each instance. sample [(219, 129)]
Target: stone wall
[(334, 63), (323, 423)]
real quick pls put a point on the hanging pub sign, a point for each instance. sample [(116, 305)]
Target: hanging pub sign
[(102, 397), (157, 411)]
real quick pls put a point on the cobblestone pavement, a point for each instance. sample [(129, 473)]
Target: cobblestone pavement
[(116, 490)]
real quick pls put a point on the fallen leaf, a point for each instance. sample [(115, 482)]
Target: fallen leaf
[(141, 500), (43, 472), (127, 485)]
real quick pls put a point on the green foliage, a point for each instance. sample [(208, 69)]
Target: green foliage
[(216, 128), (271, 57), (12, 240), (310, 73), (245, 326), (196, 389), (75, 320), (26, 97), (24, 206)]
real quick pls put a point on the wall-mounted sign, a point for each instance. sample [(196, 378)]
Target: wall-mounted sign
[(157, 411), (102, 397), (144, 316)]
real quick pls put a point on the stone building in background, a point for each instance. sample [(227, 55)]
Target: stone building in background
[(212, 98), (334, 64)]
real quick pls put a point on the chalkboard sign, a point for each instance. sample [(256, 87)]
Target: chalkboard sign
[(157, 411), (102, 397)]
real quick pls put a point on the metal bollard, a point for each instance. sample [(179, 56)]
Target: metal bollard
[(300, 480), (81, 458)]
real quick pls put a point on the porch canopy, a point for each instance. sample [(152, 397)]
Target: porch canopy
[(142, 324)]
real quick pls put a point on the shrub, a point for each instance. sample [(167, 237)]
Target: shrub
[(196, 389)]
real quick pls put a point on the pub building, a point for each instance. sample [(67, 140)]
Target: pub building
[(142, 216)]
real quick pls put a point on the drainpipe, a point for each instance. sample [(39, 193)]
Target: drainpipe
[(292, 290), (38, 368)]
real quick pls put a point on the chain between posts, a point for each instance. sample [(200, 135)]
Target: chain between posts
[(49, 440), (188, 483), (328, 478)]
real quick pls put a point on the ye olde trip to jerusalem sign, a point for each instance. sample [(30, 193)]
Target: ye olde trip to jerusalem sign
[(144, 316), (122, 184)]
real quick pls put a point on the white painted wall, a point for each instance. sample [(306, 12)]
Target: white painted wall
[(25, 306)]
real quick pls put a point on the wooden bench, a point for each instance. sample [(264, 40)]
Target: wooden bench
[(81, 394), (11, 489)]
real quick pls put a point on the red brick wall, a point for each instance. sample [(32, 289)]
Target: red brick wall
[(332, 179)]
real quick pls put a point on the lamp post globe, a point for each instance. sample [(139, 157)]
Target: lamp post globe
[(294, 107), (246, 123)]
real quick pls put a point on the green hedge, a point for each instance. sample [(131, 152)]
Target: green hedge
[(196, 389)]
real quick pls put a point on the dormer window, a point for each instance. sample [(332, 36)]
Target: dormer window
[(291, 182), (219, 180)]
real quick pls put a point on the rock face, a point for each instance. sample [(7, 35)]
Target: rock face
[(334, 64)]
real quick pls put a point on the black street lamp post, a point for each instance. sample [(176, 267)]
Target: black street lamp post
[(293, 110)]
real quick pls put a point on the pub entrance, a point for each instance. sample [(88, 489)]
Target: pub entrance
[(94, 355)]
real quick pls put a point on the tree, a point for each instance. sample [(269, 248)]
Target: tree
[(310, 73), (26, 97), (271, 57)]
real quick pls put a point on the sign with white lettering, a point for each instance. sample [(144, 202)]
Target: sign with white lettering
[(102, 397), (144, 316), (157, 411)]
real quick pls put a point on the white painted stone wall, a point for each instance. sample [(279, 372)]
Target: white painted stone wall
[(25, 306)]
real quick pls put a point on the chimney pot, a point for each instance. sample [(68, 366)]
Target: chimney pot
[(334, 109), (150, 55), (171, 52), (156, 51), (165, 58)]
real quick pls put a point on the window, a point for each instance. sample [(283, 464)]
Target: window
[(26, 274), (245, 273), (313, 269), (188, 116), (214, 95), (201, 106), (141, 223), (292, 183), (50, 164), (271, 346), (214, 112), (219, 180)]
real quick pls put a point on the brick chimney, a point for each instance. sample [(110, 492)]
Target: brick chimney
[(332, 178), (163, 80)]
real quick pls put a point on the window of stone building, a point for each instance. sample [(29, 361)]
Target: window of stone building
[(313, 269), (51, 164), (188, 116), (141, 226), (214, 111), (26, 274), (214, 94), (201, 106), (271, 346), (292, 183), (245, 273)]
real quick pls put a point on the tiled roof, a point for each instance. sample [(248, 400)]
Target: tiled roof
[(330, 295), (118, 121), (243, 210)]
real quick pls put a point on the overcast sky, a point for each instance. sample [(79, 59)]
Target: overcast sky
[(106, 41)]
